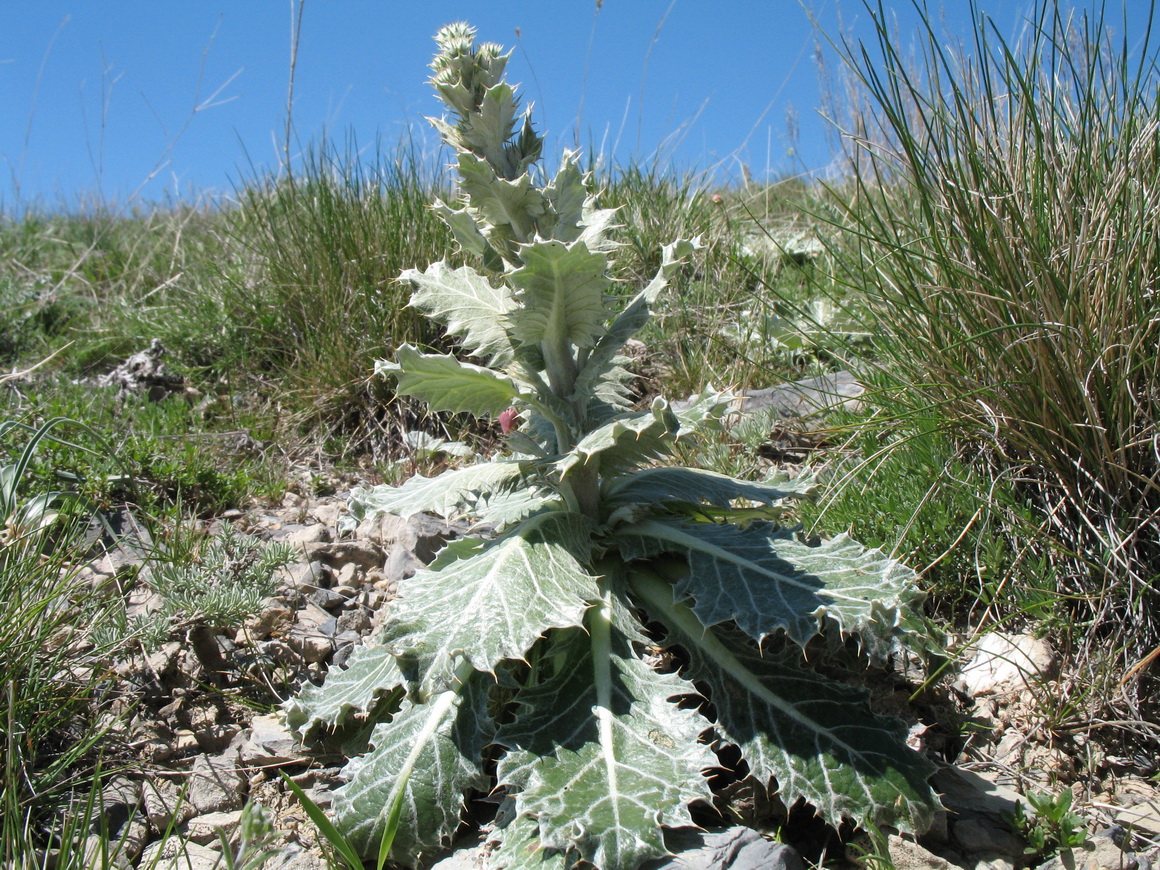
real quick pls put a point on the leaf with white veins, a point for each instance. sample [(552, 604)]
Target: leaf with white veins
[(561, 292), (370, 674), (816, 737), (494, 605), (598, 752), (509, 206), (446, 384), (427, 757), (467, 304), (764, 578), (627, 441), (654, 486), (520, 848), (449, 494)]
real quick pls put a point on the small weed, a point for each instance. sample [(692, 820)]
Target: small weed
[(1054, 827)]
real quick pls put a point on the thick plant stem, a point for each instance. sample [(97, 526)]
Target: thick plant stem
[(586, 489)]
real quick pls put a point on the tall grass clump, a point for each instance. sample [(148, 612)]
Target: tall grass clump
[(325, 243), (1004, 224), (51, 674)]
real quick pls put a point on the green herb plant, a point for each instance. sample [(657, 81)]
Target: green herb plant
[(527, 662), (1053, 826)]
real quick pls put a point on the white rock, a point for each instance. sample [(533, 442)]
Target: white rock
[(1007, 663), (270, 743), (216, 784), (173, 853), (204, 829)]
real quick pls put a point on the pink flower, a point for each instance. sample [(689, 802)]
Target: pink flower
[(507, 420)]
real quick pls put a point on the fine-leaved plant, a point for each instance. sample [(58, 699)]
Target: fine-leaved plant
[(523, 662)]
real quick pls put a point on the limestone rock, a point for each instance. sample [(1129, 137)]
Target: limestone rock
[(216, 784), (270, 744), (204, 829), (1005, 663), (174, 853)]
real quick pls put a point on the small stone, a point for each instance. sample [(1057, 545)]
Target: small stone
[(306, 576), (215, 783), (164, 804), (314, 534), (270, 744), (119, 797), (275, 615), (1007, 663), (311, 617), (422, 535), (215, 738), (355, 619), (204, 829), (327, 599), (733, 848), (184, 741), (364, 554), (101, 852), (350, 575), (174, 853), (329, 513), (980, 836), (401, 564), (906, 855), (313, 646)]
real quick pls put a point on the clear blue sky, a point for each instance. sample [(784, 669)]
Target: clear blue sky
[(124, 100)]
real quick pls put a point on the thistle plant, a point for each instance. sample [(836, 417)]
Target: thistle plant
[(518, 662)]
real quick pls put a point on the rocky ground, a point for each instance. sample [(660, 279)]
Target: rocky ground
[(201, 735)]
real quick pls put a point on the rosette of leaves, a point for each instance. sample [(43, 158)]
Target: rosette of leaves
[(514, 663)]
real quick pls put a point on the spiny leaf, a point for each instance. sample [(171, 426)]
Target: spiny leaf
[(519, 846), (655, 486), (598, 752), (371, 673), (764, 578), (467, 304), (446, 384), (628, 440), (561, 291), (430, 755), (449, 494), (511, 207), (816, 737), (566, 197), (494, 605)]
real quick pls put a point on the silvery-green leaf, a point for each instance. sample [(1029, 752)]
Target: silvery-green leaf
[(467, 304), (627, 440), (703, 413), (598, 222), (370, 674), (561, 292), (430, 754), (598, 752), (448, 494), (446, 384), (463, 226), (566, 197), (765, 578), (655, 486), (426, 444), (519, 846), (504, 204), (503, 509), (816, 737), (486, 130), (494, 605)]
